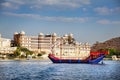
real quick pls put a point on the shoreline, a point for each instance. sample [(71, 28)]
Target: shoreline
[(24, 59), (111, 59), (43, 59)]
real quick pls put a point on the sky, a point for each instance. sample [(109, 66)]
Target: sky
[(88, 20)]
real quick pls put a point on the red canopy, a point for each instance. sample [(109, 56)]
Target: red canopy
[(99, 52)]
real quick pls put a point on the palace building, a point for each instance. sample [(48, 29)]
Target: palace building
[(51, 42), (35, 43)]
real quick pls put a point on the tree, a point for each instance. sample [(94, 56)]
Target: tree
[(112, 51), (25, 50), (17, 52), (39, 54), (42, 53)]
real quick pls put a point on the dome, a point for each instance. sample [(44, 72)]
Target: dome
[(54, 34), (16, 33), (22, 32), (71, 34), (66, 35), (41, 34)]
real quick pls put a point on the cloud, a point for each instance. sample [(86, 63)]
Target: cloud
[(18, 2), (49, 18), (59, 3), (104, 21), (106, 11), (53, 4), (103, 10), (9, 5)]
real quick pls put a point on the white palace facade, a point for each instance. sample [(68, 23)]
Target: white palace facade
[(58, 45)]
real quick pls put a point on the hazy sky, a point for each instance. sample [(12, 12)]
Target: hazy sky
[(88, 20)]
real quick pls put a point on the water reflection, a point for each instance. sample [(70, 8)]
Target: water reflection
[(46, 70)]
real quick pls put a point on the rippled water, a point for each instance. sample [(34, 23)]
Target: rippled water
[(46, 70)]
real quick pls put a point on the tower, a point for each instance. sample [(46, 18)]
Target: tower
[(54, 37), (18, 38), (40, 38)]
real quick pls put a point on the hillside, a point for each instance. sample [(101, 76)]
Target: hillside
[(113, 43)]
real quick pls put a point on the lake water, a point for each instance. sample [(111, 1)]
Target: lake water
[(46, 70)]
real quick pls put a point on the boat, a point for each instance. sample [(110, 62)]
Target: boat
[(94, 58), (79, 53)]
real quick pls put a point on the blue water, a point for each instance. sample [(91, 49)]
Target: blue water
[(46, 70)]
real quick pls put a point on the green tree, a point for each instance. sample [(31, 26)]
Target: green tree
[(112, 52), (17, 52), (25, 50), (39, 54), (42, 53)]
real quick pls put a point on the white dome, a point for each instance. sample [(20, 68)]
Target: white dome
[(54, 34), (16, 33), (66, 35), (71, 34), (22, 32), (41, 34)]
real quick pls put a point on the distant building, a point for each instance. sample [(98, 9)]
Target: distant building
[(7, 50), (65, 45), (35, 43), (5, 46), (4, 42)]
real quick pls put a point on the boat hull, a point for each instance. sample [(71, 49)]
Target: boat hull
[(88, 60)]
